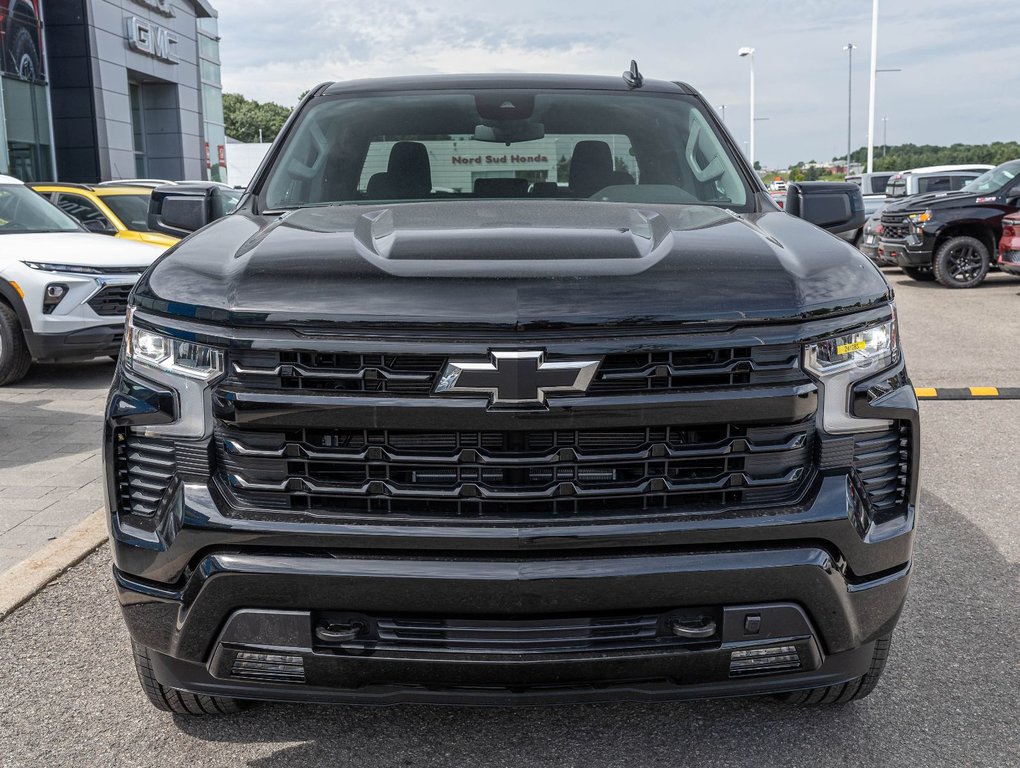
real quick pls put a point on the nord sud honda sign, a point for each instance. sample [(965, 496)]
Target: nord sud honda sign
[(151, 39)]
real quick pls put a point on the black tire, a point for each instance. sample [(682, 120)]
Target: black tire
[(173, 700), (15, 359), (961, 262), (921, 274), (25, 55), (855, 690)]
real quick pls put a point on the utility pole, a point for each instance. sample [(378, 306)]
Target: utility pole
[(871, 97), (849, 48), (885, 136), (723, 108)]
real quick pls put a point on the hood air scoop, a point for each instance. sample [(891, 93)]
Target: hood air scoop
[(621, 242)]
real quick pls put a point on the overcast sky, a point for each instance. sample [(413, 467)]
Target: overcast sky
[(960, 59)]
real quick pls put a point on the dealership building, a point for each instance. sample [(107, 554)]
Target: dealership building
[(98, 90)]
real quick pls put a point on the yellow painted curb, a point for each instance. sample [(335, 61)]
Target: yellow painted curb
[(984, 391), (21, 582)]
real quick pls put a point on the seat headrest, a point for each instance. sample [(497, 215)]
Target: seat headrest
[(409, 171), (591, 167)]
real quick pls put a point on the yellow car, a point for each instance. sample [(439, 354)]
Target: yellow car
[(120, 211)]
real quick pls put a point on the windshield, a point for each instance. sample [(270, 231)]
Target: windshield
[(22, 210), (485, 144), (132, 210), (995, 179)]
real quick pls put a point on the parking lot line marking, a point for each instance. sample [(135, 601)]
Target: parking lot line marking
[(967, 393), (23, 581), (984, 391)]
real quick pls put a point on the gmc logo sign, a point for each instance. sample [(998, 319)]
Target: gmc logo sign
[(151, 39)]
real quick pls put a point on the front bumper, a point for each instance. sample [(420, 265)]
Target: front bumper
[(904, 253), (1009, 258), (83, 344), (296, 594)]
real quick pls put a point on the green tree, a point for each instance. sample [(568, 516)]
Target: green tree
[(247, 120), (903, 156)]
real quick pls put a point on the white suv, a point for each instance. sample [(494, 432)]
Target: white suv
[(63, 290)]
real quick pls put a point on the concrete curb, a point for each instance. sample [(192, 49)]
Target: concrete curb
[(26, 579)]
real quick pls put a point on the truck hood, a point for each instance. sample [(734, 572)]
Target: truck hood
[(79, 249), (933, 200), (517, 265)]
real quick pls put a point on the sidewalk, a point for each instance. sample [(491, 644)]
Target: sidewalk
[(50, 439)]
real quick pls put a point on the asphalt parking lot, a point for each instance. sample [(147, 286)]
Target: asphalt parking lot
[(948, 698)]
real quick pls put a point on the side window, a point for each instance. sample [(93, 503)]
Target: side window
[(934, 184), (82, 209), (959, 182)]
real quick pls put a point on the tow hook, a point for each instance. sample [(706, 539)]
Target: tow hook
[(340, 633), (699, 627)]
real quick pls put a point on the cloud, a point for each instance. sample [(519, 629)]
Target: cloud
[(958, 82)]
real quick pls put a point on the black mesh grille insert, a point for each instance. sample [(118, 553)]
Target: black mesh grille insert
[(145, 469), (895, 226), (482, 637), (516, 475), (111, 301), (416, 375)]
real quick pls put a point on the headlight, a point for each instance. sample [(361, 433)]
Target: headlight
[(919, 218), (841, 361), (70, 268), (871, 349), (166, 353)]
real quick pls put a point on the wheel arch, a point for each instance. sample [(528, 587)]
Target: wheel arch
[(976, 229)]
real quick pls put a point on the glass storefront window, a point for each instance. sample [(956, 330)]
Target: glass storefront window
[(27, 123)]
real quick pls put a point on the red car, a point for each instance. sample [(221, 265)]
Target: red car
[(20, 39), (1009, 245)]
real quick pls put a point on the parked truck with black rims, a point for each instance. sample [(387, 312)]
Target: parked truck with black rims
[(951, 238), (510, 388)]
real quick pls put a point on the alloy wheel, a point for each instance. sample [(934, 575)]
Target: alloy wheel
[(965, 263)]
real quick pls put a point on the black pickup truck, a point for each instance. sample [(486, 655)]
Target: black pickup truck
[(510, 389), (951, 237)]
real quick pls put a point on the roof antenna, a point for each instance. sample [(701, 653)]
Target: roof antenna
[(632, 77)]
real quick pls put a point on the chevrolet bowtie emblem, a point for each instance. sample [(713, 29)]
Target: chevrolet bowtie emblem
[(516, 378)]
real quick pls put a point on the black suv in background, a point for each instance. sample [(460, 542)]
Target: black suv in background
[(436, 415), (951, 237)]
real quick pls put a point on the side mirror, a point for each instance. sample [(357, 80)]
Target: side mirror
[(835, 206), (180, 209)]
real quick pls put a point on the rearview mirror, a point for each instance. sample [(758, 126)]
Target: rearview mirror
[(835, 206), (510, 132), (180, 209)]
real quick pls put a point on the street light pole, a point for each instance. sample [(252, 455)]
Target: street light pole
[(871, 97), (849, 48), (749, 53), (723, 107), (885, 136)]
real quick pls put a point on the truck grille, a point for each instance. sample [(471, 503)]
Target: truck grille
[(111, 301), (514, 474), (416, 375), (895, 227)]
